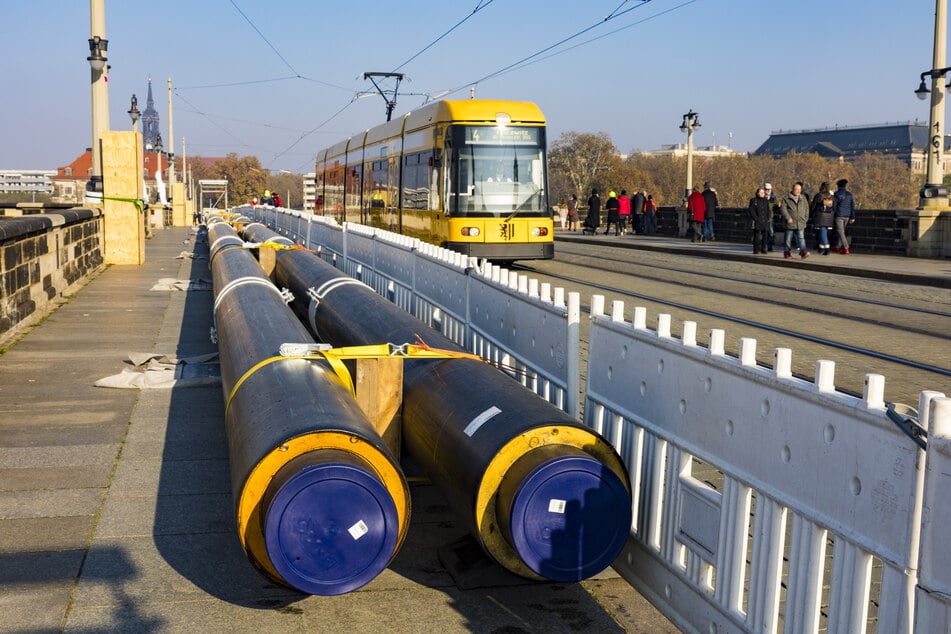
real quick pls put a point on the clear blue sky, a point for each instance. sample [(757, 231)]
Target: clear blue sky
[(747, 66)]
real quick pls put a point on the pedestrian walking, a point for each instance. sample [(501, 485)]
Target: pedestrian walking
[(593, 220), (624, 210), (637, 210), (696, 210), (844, 214), (710, 198), (822, 216), (563, 214), (573, 212), (650, 215), (761, 215), (795, 210), (773, 208), (613, 206)]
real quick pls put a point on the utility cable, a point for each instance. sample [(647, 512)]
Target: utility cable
[(314, 129), (266, 41), (595, 39), (481, 5), (611, 16)]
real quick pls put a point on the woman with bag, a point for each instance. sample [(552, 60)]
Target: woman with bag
[(573, 213)]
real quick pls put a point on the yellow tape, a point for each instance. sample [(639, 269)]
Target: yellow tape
[(336, 356), (262, 245)]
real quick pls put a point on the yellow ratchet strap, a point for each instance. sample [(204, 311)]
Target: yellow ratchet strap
[(262, 245), (336, 356)]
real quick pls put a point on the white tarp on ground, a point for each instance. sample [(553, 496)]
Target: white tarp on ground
[(172, 284), (156, 370), (191, 255)]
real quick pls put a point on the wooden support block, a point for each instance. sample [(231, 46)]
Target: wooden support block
[(267, 258), (379, 390), (123, 223)]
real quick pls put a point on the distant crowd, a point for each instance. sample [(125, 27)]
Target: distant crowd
[(268, 198), (829, 212), (634, 214)]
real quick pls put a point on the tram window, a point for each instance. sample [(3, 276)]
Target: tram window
[(416, 180), (498, 172)]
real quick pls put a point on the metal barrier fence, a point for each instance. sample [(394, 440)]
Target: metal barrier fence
[(762, 502)]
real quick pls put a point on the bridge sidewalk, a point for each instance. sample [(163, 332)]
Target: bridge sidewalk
[(924, 271), (116, 510)]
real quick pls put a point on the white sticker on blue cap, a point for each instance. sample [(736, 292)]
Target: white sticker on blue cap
[(358, 530)]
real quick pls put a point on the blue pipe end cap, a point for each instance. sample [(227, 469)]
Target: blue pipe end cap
[(331, 529), (570, 518)]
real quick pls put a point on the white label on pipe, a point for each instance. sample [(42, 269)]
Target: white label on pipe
[(556, 506), (481, 420), (358, 530)]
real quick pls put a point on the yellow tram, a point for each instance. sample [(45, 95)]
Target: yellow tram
[(466, 175)]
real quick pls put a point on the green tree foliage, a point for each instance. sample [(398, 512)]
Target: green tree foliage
[(579, 161), (246, 178), (289, 186)]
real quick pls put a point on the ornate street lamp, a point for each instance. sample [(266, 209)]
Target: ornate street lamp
[(99, 66), (690, 122), (934, 195), (934, 175), (134, 112)]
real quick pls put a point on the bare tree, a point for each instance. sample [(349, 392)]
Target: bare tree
[(579, 162)]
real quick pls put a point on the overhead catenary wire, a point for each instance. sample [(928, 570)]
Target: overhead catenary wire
[(611, 16), (595, 39), (538, 56), (481, 5)]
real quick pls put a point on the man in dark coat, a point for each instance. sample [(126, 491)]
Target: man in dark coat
[(593, 220), (710, 198), (637, 211), (844, 214)]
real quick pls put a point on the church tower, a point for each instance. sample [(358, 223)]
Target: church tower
[(150, 121)]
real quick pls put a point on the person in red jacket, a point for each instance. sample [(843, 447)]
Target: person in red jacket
[(697, 209), (624, 211)]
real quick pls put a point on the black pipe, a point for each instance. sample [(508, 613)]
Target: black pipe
[(544, 495), (322, 505)]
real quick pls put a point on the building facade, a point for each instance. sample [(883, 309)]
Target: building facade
[(905, 141), (710, 151), (310, 191), (26, 181)]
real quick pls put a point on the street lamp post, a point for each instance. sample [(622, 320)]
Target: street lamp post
[(934, 195), (134, 112), (691, 122), (171, 149), (99, 69)]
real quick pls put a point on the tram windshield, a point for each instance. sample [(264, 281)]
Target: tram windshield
[(496, 171)]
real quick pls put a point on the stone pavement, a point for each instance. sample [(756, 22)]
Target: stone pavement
[(929, 272), (116, 511)]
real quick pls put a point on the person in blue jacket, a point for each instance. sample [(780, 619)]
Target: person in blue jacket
[(844, 214)]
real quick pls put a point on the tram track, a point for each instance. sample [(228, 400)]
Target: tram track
[(761, 325), (844, 321), (759, 284)]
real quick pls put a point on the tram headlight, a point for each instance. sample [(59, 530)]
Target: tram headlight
[(539, 232), (470, 231)]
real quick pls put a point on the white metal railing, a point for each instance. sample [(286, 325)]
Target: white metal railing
[(761, 502)]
